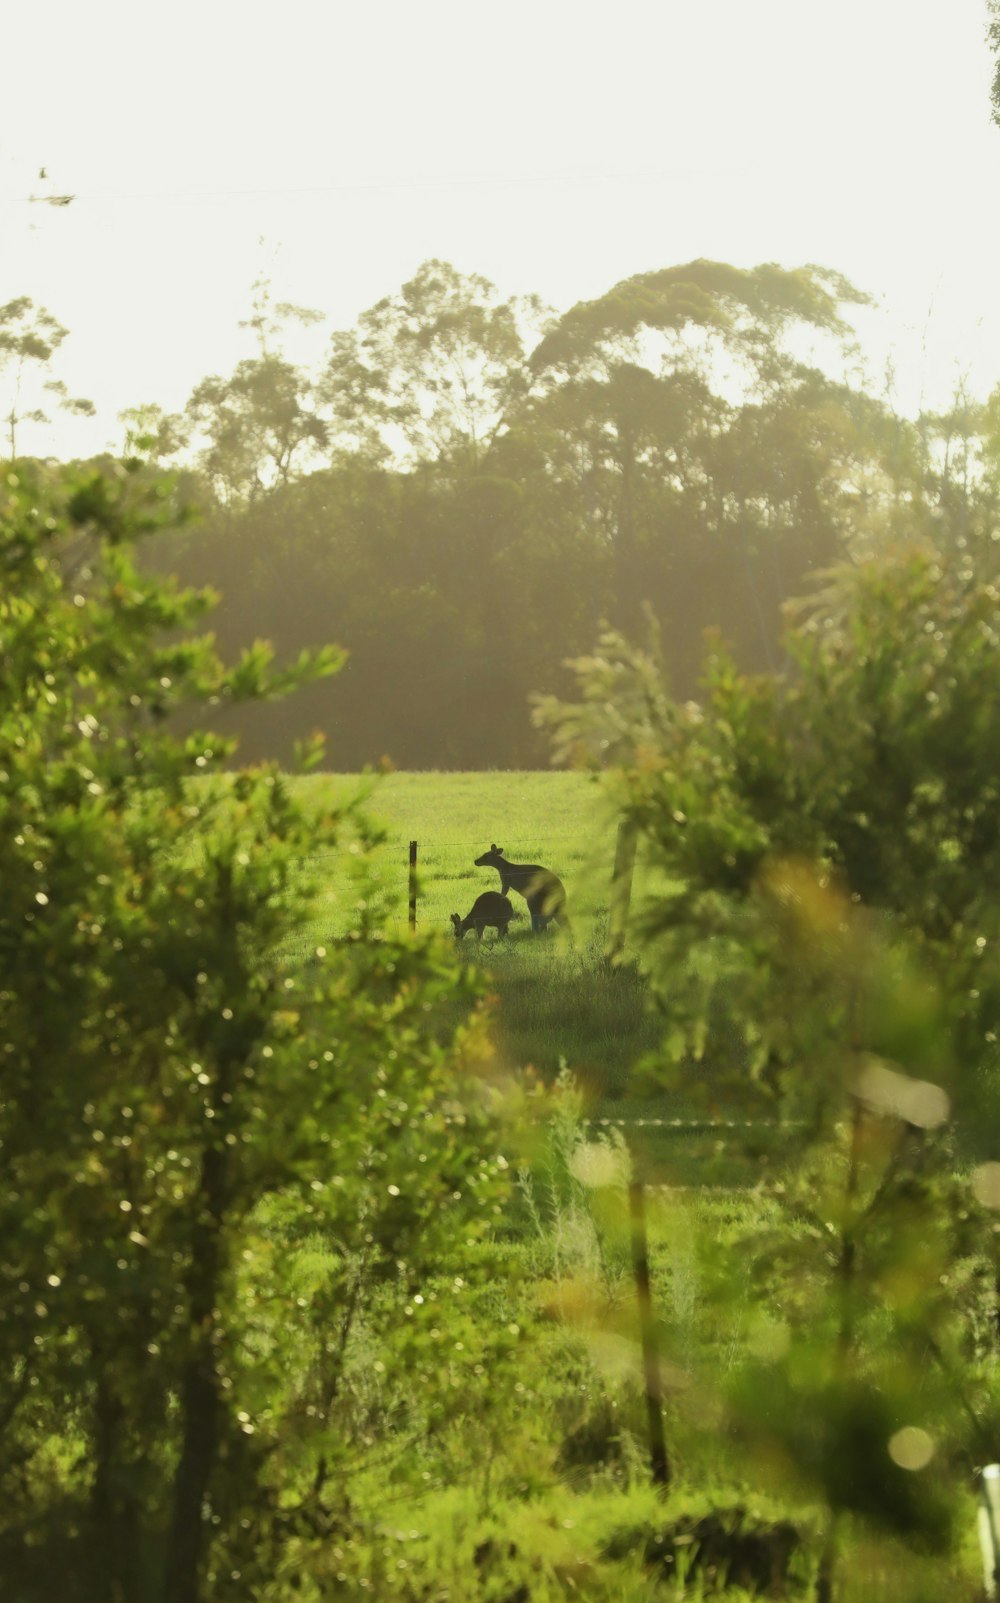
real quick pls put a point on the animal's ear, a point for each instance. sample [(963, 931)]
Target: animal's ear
[(495, 848)]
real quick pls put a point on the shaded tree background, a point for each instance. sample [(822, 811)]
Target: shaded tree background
[(464, 487)]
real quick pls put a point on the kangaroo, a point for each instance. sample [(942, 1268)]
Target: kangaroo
[(489, 911), (543, 891)]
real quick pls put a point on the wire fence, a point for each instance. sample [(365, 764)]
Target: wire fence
[(620, 888), (703, 1124), (474, 842), (409, 859), (756, 1188)]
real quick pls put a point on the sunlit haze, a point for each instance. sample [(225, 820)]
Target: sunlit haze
[(549, 147)]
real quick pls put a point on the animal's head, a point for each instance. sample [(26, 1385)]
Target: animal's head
[(457, 923), (491, 858)]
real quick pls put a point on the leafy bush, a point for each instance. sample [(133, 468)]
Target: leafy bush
[(218, 1168)]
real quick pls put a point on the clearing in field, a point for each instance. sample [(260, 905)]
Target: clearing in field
[(560, 1002), (559, 819)]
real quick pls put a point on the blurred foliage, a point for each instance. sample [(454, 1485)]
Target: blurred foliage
[(831, 828), (257, 1286), (831, 836), (215, 1167)]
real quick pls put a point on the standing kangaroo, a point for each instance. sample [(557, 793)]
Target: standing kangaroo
[(543, 891)]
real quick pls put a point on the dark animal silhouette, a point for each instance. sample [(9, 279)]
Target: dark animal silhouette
[(489, 911), (543, 891)]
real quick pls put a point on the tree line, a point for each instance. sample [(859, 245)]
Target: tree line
[(464, 488)]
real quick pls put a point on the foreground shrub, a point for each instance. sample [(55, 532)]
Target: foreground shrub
[(184, 1118)]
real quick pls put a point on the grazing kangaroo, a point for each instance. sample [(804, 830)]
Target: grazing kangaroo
[(489, 911), (543, 891)]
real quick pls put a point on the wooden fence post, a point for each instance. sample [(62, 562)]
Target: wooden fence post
[(413, 885), (621, 886), (647, 1327), (989, 1525)]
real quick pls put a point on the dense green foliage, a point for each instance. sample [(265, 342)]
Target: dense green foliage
[(263, 1276), (829, 844), (258, 1346), (871, 764), (215, 1165), (340, 1260)]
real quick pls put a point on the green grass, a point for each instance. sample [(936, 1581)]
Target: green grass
[(559, 1001), (557, 819), (559, 998)]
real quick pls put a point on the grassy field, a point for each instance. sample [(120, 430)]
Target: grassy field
[(560, 1002), (557, 819)]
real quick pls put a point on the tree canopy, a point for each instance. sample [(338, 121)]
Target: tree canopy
[(464, 486)]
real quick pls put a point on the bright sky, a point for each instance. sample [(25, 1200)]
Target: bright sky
[(551, 147)]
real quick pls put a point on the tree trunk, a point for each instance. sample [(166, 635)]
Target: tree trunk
[(115, 1517), (201, 1411)]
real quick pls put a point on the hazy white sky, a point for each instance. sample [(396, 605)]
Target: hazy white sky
[(551, 146)]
